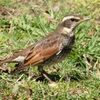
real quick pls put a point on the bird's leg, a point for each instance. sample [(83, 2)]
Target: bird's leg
[(45, 74)]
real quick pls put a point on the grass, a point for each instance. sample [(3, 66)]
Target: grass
[(23, 23)]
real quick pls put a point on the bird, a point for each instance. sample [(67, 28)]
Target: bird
[(52, 49)]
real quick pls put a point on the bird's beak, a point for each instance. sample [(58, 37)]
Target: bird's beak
[(84, 19)]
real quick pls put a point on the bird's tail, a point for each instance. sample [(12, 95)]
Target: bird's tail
[(7, 60)]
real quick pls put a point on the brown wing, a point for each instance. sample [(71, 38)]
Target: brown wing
[(37, 56), (44, 50), (41, 55)]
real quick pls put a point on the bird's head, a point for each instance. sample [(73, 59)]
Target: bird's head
[(69, 23)]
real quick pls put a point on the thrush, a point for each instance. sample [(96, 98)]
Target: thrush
[(50, 50)]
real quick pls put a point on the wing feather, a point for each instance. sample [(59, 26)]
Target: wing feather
[(41, 55)]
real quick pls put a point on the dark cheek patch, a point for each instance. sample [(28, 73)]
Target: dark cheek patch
[(67, 23)]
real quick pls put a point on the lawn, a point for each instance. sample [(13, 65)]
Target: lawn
[(23, 22)]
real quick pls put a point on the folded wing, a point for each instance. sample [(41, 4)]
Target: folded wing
[(40, 55)]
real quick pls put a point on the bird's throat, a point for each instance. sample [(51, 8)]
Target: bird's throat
[(68, 31)]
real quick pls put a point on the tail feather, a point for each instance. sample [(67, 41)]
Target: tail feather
[(7, 60)]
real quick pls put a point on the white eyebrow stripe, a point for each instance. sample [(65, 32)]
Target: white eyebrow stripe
[(69, 17)]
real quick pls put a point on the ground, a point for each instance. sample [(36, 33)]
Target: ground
[(23, 22)]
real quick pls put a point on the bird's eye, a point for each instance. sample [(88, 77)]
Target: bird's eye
[(74, 20)]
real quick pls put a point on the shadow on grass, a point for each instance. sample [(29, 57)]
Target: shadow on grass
[(53, 77)]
